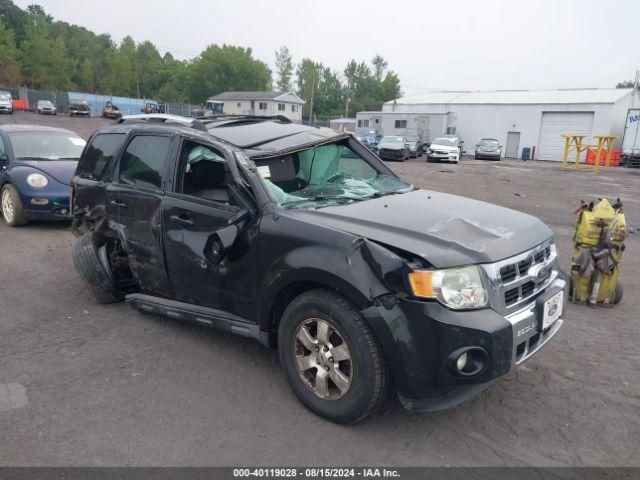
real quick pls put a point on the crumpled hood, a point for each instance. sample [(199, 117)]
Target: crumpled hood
[(60, 170), (446, 230)]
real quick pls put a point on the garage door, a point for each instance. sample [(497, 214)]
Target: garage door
[(554, 124)]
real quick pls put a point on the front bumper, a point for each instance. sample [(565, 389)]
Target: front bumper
[(391, 154), (488, 155), (6, 108), (418, 339), (439, 157), (57, 206)]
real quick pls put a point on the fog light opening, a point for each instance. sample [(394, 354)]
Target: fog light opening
[(40, 201), (462, 361), (468, 361)]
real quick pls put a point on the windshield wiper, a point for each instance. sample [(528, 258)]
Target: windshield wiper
[(321, 197)]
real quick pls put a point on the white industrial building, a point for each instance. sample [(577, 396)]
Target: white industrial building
[(517, 119)]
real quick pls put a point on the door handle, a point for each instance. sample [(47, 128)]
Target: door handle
[(182, 218), (118, 203)]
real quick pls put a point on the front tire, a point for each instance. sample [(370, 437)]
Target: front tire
[(92, 265), (330, 357), (12, 209)]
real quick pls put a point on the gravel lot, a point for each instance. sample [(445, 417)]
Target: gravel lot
[(86, 384)]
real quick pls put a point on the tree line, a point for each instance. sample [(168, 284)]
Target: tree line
[(40, 52)]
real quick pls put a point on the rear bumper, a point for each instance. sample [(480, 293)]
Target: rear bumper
[(421, 341)]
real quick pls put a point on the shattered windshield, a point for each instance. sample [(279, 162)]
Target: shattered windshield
[(325, 176)]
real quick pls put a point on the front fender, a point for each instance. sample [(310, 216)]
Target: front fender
[(17, 176), (312, 254)]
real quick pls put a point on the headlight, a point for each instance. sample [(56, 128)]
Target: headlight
[(37, 180), (456, 288)]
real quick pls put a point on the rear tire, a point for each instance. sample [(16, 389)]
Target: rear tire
[(321, 331), (92, 265), (11, 205)]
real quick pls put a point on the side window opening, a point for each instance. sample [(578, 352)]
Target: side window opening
[(97, 161), (205, 173), (143, 161)]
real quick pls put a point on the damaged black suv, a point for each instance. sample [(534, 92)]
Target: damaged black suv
[(304, 240)]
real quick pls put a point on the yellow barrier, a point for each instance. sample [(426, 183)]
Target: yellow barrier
[(572, 141)]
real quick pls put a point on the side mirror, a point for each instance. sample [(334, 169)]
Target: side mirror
[(500, 146), (464, 151), (221, 240), (4, 157)]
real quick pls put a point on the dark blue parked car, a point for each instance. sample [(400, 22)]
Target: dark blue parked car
[(36, 167)]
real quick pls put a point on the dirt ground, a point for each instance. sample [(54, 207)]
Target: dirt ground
[(87, 384)]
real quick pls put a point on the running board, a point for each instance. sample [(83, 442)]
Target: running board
[(210, 317)]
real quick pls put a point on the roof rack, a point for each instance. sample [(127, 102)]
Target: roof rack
[(164, 118), (230, 119)]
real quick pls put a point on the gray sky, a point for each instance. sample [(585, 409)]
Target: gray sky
[(471, 45)]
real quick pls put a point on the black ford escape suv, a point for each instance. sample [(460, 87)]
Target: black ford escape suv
[(304, 240)]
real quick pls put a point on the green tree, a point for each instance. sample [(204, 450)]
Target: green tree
[(120, 78), (379, 66), (627, 84), (14, 18), (9, 58), (219, 69), (284, 69), (84, 77), (45, 63)]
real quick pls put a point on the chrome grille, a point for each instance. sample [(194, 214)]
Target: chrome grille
[(512, 281)]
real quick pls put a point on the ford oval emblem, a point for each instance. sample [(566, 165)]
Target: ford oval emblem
[(539, 272)]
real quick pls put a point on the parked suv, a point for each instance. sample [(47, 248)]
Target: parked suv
[(304, 240)]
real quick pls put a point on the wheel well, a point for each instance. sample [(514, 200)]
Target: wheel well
[(284, 298)]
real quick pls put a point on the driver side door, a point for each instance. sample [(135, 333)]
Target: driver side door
[(199, 215)]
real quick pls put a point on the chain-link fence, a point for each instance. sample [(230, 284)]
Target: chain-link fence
[(184, 109), (126, 105)]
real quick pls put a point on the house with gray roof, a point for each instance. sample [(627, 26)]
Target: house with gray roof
[(258, 103)]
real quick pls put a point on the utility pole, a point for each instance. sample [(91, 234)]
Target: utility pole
[(313, 87), (137, 83)]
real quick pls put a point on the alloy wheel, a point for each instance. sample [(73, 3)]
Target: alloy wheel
[(322, 359), (8, 208)]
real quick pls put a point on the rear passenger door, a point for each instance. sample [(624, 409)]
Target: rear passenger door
[(136, 199), (94, 173)]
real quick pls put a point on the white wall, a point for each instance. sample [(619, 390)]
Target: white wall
[(476, 121), (231, 107), (494, 121)]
